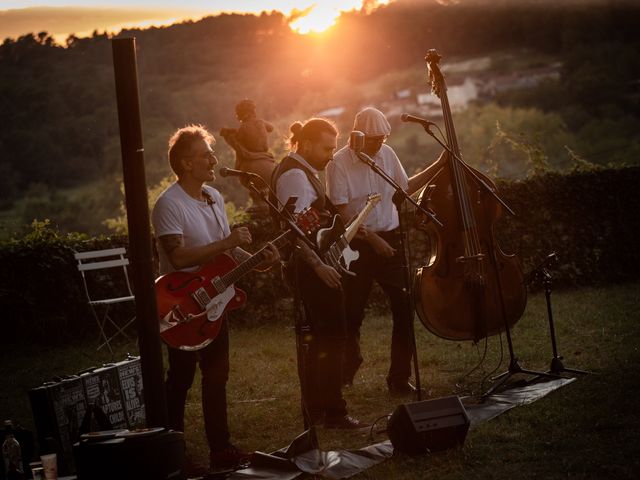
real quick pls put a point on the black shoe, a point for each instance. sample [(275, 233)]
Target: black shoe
[(228, 459), (401, 388), (315, 419), (193, 468), (346, 422)]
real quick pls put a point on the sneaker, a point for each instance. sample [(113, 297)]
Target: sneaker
[(229, 458), (346, 422)]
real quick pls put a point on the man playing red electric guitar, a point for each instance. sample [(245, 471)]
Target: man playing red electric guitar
[(190, 222)]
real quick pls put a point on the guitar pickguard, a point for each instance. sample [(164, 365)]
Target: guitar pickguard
[(216, 307), (349, 255)]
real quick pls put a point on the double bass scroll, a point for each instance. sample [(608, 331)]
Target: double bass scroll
[(469, 288)]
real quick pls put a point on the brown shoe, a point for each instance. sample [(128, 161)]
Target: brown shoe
[(228, 459), (345, 422)]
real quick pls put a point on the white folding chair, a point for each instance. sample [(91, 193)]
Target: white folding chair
[(107, 261)]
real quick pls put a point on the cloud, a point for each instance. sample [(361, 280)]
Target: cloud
[(62, 21)]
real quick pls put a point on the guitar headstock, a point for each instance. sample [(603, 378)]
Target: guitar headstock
[(436, 79), (374, 198), (308, 220)]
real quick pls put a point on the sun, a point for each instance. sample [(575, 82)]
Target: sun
[(315, 19), (321, 16)]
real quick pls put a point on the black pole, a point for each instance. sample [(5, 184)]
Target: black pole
[(140, 252)]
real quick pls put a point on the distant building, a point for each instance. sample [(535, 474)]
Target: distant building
[(403, 94), (520, 80), (460, 91)]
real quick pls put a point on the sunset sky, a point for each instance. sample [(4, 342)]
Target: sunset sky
[(81, 17)]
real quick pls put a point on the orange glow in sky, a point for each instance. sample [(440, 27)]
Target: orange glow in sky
[(323, 15), (81, 17)]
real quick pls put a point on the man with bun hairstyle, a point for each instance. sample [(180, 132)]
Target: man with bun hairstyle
[(319, 285), (349, 182)]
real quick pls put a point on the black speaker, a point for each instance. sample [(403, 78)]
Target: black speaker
[(154, 454), (428, 426)]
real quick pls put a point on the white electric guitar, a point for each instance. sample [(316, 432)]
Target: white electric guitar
[(333, 241)]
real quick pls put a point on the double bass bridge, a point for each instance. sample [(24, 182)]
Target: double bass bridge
[(463, 259)]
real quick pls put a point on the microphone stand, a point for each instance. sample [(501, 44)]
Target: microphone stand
[(281, 213), (403, 196), (468, 169), (542, 274), (399, 197), (302, 328)]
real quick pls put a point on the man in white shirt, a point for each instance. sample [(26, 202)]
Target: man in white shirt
[(191, 225), (349, 182)]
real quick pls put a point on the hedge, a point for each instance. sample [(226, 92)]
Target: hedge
[(589, 218)]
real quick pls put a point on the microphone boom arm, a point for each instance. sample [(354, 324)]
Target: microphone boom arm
[(400, 193), (480, 181), (282, 212)]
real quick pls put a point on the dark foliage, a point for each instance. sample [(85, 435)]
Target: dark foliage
[(41, 290), (589, 218)]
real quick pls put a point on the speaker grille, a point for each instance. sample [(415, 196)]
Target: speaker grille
[(428, 426)]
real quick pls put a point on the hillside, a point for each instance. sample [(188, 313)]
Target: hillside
[(59, 146)]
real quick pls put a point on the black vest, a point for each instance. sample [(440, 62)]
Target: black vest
[(289, 163)]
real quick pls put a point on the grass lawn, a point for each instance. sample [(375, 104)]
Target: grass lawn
[(588, 429)]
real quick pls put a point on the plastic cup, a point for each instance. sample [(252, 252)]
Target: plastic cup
[(50, 466), (38, 472)]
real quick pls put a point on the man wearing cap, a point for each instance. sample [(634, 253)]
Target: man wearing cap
[(349, 182)]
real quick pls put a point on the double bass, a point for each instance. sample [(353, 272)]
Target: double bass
[(469, 288)]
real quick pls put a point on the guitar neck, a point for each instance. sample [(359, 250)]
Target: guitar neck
[(352, 229), (250, 263)]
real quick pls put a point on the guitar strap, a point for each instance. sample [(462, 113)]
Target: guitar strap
[(211, 202)]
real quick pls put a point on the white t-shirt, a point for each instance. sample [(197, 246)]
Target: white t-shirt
[(350, 181), (294, 183), (178, 213)]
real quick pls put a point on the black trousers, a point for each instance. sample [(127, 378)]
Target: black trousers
[(214, 366), (389, 274), (323, 346)]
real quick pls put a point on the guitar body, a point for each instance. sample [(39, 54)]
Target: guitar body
[(333, 241), (191, 309), (326, 237), (333, 247)]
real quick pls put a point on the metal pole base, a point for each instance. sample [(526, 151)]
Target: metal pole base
[(557, 367), (514, 369)]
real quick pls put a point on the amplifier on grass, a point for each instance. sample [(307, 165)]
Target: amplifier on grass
[(60, 407), (130, 374), (428, 426)]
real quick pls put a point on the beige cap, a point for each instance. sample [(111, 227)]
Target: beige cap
[(372, 122)]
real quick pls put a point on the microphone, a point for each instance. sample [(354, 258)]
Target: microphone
[(356, 141), (231, 172), (405, 117)]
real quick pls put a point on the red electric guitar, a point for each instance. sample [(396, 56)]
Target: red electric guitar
[(192, 304)]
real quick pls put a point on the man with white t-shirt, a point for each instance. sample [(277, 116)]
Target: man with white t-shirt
[(190, 222), (349, 182)]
